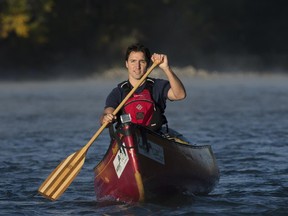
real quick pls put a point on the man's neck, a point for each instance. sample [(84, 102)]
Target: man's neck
[(134, 82)]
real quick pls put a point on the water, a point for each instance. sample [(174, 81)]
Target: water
[(245, 119)]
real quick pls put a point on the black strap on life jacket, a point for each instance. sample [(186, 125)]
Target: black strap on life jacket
[(127, 87), (158, 118)]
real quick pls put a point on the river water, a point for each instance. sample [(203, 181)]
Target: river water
[(243, 118)]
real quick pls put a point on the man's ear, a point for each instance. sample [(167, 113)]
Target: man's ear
[(126, 63)]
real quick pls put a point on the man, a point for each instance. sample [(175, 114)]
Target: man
[(148, 103)]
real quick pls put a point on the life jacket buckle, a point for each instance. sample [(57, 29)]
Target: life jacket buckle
[(125, 118)]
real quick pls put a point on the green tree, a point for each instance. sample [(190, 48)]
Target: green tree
[(24, 18)]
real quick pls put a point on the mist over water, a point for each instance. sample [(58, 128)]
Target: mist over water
[(243, 118)]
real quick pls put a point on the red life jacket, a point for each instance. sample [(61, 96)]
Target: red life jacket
[(141, 106)]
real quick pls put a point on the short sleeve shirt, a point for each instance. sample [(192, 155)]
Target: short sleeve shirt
[(160, 94)]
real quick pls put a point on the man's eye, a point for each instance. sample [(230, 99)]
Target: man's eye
[(134, 62)]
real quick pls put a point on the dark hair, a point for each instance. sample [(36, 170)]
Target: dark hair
[(138, 48)]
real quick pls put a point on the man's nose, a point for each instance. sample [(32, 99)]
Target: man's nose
[(138, 64)]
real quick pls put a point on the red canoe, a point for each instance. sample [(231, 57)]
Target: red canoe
[(141, 164)]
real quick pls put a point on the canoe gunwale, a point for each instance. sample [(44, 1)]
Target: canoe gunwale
[(187, 166)]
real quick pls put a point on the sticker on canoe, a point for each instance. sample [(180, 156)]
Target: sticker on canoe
[(120, 161), (155, 152)]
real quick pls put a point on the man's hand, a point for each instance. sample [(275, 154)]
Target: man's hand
[(162, 59), (107, 116), (110, 118)]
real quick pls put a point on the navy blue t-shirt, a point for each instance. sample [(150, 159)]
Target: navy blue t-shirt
[(160, 94)]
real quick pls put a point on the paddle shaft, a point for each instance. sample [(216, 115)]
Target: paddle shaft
[(121, 105), (63, 175)]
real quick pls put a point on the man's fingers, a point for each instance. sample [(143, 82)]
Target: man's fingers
[(109, 117)]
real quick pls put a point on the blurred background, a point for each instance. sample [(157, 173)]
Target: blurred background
[(42, 39), (59, 59)]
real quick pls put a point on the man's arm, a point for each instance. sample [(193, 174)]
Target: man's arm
[(177, 90), (107, 116)]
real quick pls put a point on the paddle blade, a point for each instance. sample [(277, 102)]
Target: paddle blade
[(62, 176)]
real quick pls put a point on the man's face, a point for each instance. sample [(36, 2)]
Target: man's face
[(136, 65)]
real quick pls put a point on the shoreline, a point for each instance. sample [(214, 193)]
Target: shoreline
[(184, 73)]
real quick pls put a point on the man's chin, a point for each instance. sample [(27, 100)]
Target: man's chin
[(138, 76)]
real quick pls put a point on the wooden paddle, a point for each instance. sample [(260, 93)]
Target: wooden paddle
[(60, 179)]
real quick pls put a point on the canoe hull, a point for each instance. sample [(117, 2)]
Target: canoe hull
[(142, 164)]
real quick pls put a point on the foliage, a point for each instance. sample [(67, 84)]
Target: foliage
[(95, 32), (24, 18)]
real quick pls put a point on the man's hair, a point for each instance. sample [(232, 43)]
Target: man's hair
[(139, 48)]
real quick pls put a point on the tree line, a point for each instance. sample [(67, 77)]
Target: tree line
[(85, 35)]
